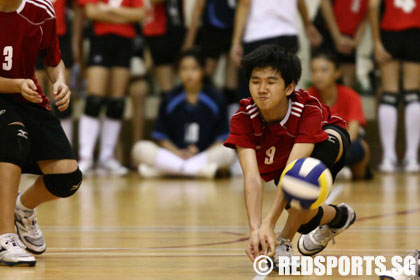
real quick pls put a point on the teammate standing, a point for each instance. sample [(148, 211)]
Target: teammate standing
[(32, 139), (274, 127), (396, 40)]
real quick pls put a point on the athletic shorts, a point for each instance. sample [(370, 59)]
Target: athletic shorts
[(66, 53), (47, 138), (165, 48), (110, 51), (402, 45), (215, 41)]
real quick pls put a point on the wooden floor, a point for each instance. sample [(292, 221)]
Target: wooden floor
[(129, 228)]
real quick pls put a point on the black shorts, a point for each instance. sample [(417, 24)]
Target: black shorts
[(215, 41), (402, 45), (66, 53), (47, 138), (110, 51), (328, 45), (165, 48)]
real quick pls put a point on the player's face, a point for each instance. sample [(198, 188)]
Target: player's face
[(190, 72), (324, 73), (268, 89)]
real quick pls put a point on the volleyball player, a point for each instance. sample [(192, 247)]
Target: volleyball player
[(32, 139), (274, 127), (396, 38)]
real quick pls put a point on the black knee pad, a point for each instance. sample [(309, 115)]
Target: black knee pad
[(94, 105), (115, 108), (63, 114), (390, 98), (356, 154), (15, 144), (312, 224), (63, 185), (411, 96), (327, 151)]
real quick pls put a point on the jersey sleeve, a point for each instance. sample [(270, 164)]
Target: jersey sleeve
[(240, 132), (50, 47), (84, 2), (310, 126), (160, 131)]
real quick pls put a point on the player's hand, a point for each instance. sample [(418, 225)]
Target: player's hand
[(236, 53), (28, 91), (253, 249), (268, 240), (345, 45), (62, 95), (193, 150), (314, 37), (381, 54)]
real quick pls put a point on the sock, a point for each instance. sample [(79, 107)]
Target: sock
[(20, 206), (193, 165), (109, 138), (168, 162), (88, 134), (67, 125), (340, 217), (412, 130), (387, 116)]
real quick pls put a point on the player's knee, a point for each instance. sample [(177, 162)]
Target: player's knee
[(411, 96), (93, 105), (327, 151), (65, 184), (389, 98), (63, 114), (357, 153), (15, 144), (144, 150), (115, 108), (313, 223)]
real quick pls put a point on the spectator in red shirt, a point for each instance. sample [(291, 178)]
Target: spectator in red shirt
[(345, 102)]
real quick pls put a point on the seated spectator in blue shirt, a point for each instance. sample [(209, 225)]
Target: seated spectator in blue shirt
[(190, 129)]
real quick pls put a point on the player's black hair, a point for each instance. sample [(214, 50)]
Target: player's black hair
[(286, 63), (328, 55), (194, 53)]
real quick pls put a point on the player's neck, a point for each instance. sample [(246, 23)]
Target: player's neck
[(276, 114), (9, 6), (329, 95), (193, 93)]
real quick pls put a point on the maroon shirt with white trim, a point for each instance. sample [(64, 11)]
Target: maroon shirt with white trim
[(24, 33), (273, 142)]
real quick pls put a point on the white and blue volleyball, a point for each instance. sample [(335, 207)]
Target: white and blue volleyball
[(306, 183)]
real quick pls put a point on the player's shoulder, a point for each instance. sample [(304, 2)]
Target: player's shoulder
[(302, 98), (247, 109), (37, 11), (348, 93)]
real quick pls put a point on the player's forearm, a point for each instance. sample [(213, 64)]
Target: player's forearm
[(353, 129), (278, 206), (129, 14), (96, 14), (10, 85), (374, 19), (195, 21), (328, 14), (56, 73), (241, 17), (360, 32), (303, 10), (168, 145), (253, 201), (77, 32)]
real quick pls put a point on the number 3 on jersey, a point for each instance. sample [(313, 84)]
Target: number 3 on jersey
[(269, 159), (8, 56)]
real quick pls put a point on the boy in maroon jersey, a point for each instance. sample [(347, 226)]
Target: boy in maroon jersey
[(31, 138), (274, 127)]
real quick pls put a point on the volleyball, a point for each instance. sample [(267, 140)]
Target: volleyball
[(306, 183)]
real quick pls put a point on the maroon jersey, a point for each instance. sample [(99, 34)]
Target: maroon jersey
[(401, 15), (273, 142), (349, 14), (24, 33)]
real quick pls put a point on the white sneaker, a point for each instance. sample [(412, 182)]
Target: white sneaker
[(389, 275), (86, 166), (12, 251), (111, 167), (316, 241), (283, 249), (146, 171), (411, 166), (387, 166), (29, 231)]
